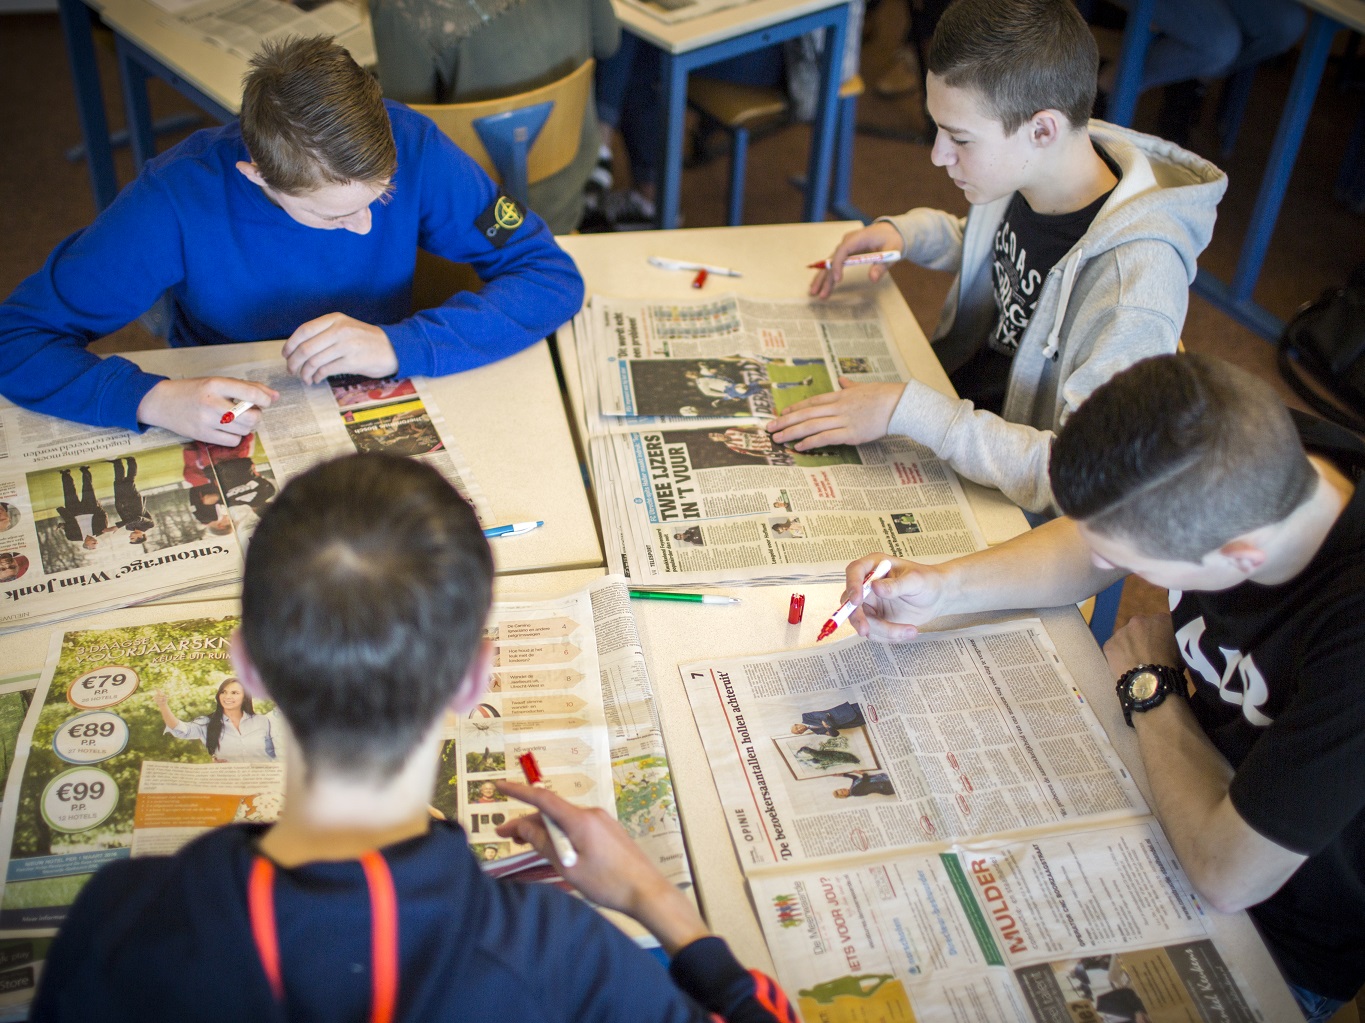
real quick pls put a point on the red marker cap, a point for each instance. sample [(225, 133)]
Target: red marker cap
[(797, 609), (700, 279), (530, 768)]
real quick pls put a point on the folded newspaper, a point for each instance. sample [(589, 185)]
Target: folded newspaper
[(941, 831), (692, 488), (112, 759), (92, 519)]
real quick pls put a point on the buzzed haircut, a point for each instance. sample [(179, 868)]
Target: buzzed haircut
[(1021, 56), (367, 584), (311, 116), (1179, 454)]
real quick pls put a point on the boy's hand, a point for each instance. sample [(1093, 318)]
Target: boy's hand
[(193, 408), (878, 237), (905, 599), (611, 870), (337, 343), (1144, 639), (854, 415)]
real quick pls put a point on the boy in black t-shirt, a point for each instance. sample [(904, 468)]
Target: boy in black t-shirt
[(1191, 474)]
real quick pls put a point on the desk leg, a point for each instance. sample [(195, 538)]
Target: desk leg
[(80, 54), (1136, 37), (1317, 44), (673, 103), (826, 112), (136, 107)]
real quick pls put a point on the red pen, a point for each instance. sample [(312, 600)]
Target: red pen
[(564, 849), (847, 607), (700, 279), (235, 411)]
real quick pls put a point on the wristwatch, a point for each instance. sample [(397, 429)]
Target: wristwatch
[(1144, 687)]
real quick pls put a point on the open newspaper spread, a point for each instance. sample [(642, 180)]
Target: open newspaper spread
[(941, 831), (692, 488), (101, 773), (92, 519)]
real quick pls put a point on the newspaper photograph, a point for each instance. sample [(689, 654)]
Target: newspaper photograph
[(829, 752), (717, 504), (726, 356), (1076, 927)]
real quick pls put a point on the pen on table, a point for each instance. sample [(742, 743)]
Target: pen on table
[(693, 598), (862, 259), (564, 849), (513, 528), (235, 411), (700, 279), (847, 607), (664, 263)]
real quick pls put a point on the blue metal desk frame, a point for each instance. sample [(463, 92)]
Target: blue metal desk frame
[(673, 72)]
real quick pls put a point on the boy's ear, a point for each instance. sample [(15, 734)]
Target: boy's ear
[(1046, 127), (475, 681), (243, 667), (1244, 554), (250, 171)]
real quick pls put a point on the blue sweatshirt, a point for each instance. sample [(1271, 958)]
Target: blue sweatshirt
[(238, 268), (169, 938)]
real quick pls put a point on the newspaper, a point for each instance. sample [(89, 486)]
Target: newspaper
[(99, 775), (672, 11), (241, 26), (92, 519), (857, 781), (690, 486)]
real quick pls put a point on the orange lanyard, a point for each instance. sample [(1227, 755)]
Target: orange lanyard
[(383, 931)]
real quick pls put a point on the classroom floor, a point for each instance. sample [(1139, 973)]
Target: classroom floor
[(1315, 246)]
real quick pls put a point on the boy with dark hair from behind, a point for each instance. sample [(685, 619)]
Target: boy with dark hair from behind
[(367, 585), (1073, 263), (1248, 698)]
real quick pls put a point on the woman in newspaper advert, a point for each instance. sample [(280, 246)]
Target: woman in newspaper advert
[(234, 734)]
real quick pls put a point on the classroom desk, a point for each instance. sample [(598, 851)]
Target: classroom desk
[(686, 46), (508, 420), (1328, 18), (773, 259)]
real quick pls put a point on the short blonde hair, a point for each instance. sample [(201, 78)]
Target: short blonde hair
[(311, 116)]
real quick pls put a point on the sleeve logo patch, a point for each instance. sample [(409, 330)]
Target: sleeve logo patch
[(501, 220)]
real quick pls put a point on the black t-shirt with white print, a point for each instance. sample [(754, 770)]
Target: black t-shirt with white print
[(1279, 676), (1027, 246)]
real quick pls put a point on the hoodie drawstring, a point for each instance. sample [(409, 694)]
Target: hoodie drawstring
[(1054, 337)]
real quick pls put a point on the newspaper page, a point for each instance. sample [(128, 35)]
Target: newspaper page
[(727, 356), (715, 505), (241, 26), (828, 752), (672, 11), (98, 518), (96, 738), (1079, 927)]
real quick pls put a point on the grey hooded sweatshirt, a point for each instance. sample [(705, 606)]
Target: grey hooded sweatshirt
[(1118, 296)]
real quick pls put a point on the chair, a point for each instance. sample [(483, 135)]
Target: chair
[(738, 109), (520, 139)]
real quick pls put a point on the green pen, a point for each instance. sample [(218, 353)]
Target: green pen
[(693, 598)]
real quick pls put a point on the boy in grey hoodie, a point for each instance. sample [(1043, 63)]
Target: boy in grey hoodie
[(1073, 263)]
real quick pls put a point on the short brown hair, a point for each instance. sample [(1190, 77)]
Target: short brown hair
[(1180, 454), (1022, 56), (311, 116)]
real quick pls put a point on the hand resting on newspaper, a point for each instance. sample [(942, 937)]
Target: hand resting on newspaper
[(194, 408), (336, 343), (854, 415), (611, 870)]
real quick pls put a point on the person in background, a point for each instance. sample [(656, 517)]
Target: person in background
[(456, 51)]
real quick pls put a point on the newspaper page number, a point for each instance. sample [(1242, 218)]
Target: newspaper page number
[(79, 800), (90, 738), (103, 687)]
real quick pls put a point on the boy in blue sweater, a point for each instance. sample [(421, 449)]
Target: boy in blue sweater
[(301, 221), (367, 586)]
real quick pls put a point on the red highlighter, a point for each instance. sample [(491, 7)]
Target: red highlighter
[(564, 849)]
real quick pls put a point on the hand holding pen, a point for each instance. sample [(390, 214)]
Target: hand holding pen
[(875, 238), (848, 606)]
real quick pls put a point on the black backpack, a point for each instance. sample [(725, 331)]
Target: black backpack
[(1323, 349)]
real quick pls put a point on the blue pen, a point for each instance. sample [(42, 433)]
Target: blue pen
[(513, 528)]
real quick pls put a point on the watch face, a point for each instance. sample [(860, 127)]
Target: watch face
[(1143, 685)]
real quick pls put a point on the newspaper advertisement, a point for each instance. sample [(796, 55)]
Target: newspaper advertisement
[(1081, 927), (713, 504), (121, 712), (828, 752), (92, 518), (97, 518), (729, 356)]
